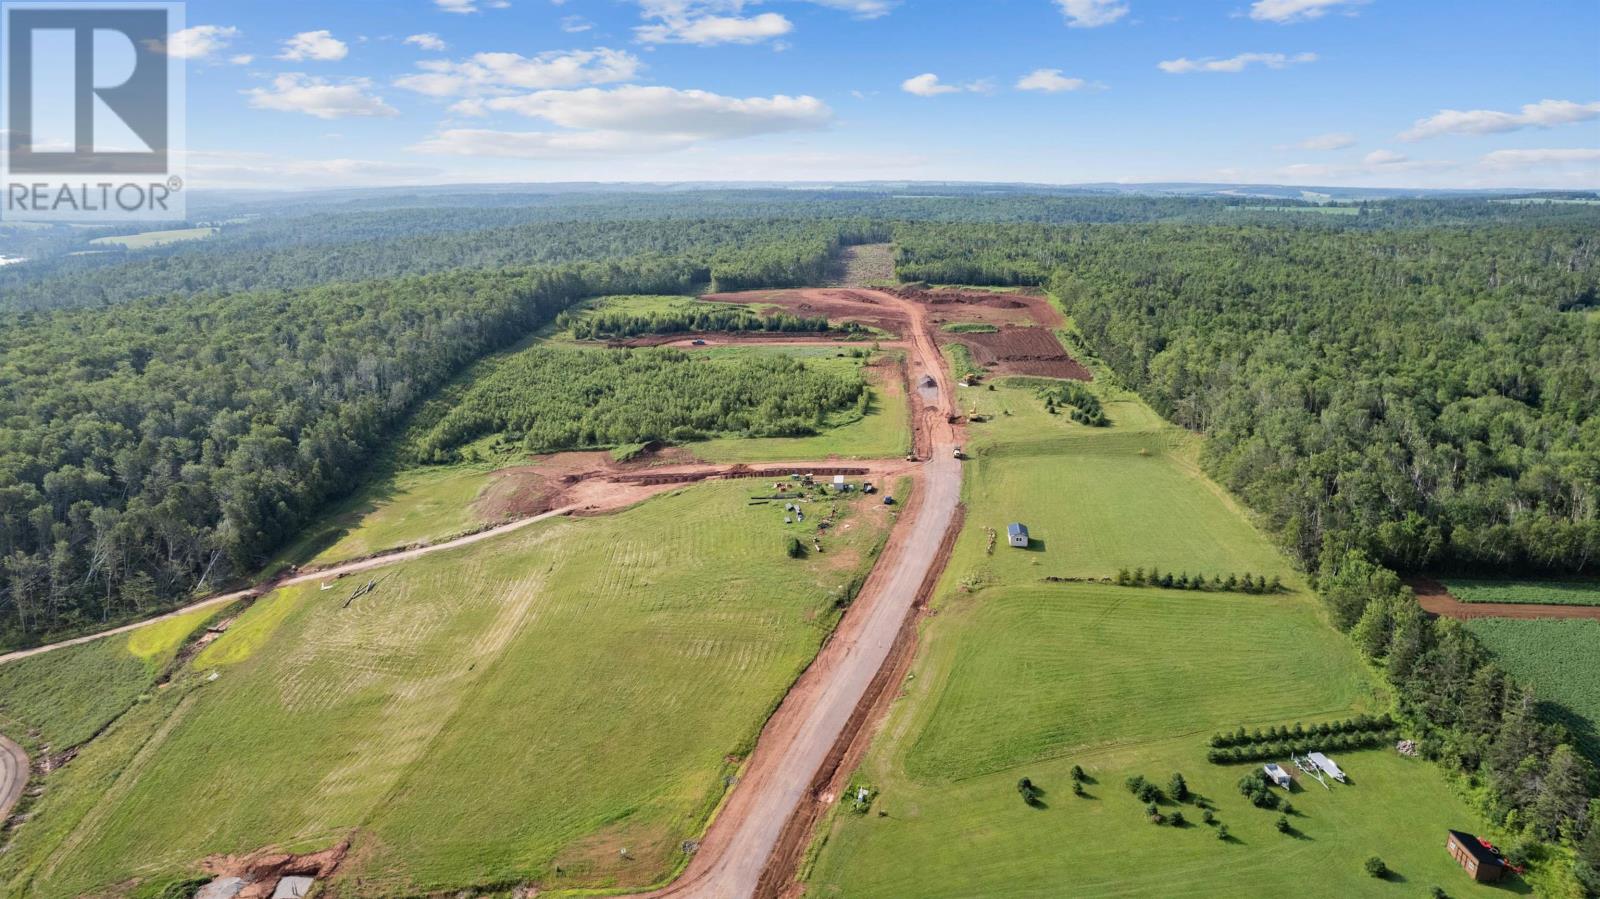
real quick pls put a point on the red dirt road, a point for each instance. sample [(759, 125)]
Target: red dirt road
[(814, 718), (1435, 598)]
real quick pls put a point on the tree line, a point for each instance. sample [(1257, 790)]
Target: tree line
[(607, 324)]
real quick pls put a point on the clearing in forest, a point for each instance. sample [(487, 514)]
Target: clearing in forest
[(1020, 677), (502, 687)]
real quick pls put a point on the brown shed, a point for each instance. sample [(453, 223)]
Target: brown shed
[(1484, 865)]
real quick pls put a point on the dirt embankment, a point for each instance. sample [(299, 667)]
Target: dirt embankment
[(1436, 599)]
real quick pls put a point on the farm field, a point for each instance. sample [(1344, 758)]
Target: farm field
[(1576, 592), (1019, 678), (1561, 659), (412, 505), (382, 718), (55, 701), (150, 239)]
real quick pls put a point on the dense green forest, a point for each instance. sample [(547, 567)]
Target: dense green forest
[(1425, 395), (615, 323), (550, 399), (160, 446)]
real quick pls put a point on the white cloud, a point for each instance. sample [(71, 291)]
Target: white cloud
[(1384, 157), (1286, 11), (295, 92), (200, 41), (1544, 114), (468, 6), (1584, 157), (707, 31), (1050, 81), (243, 59), (626, 120), (928, 85), (575, 24), (1092, 13), (1238, 63), (317, 45), (427, 41), (1334, 141), (699, 115), (500, 73), (865, 9)]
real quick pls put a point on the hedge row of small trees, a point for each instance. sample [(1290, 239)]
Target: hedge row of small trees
[(1256, 752), (1233, 583), (1281, 732)]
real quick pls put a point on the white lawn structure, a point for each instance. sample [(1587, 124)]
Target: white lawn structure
[(1277, 775), (1327, 766), (1311, 769)]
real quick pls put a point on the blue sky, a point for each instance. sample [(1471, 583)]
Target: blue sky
[(1431, 93)]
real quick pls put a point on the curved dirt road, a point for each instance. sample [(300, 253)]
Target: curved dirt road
[(13, 775), (1437, 599), (800, 736)]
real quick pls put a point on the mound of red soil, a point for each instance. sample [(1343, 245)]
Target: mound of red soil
[(1023, 351)]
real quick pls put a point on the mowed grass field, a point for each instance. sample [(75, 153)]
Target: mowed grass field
[(413, 505), (1016, 677), (55, 701), (1561, 659), (1575, 592), (520, 710)]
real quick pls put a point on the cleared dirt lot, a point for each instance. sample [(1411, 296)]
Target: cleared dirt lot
[(1436, 599), (1022, 351)]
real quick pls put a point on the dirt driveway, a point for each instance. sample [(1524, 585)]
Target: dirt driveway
[(1436, 599)]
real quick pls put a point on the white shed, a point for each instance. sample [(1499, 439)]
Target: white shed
[(1277, 775), (1017, 535)]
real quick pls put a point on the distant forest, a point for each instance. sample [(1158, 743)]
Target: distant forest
[(1415, 381)]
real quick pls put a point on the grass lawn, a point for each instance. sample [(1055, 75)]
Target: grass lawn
[(410, 506), (1573, 592), (154, 238), (1019, 678), (557, 694), (57, 700), (1562, 661)]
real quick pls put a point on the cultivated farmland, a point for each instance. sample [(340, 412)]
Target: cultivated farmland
[(449, 693), (1561, 659)]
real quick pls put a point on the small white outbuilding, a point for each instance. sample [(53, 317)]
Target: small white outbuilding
[(1017, 535), (1277, 775)]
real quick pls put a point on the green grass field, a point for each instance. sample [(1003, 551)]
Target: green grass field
[(413, 505), (1575, 592), (1019, 678), (1562, 661), (60, 699), (150, 239), (555, 695)]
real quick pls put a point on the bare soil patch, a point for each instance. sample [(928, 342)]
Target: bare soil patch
[(1436, 599), (1022, 351), (262, 870), (982, 306)]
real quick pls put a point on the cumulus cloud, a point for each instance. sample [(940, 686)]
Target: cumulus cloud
[(466, 7), (296, 92), (198, 42), (1286, 11), (1050, 81), (1092, 13), (1584, 157), (500, 73), (1384, 158), (1544, 114), (1334, 141), (928, 85), (626, 120), (314, 45), (710, 30), (1184, 65), (427, 41)]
